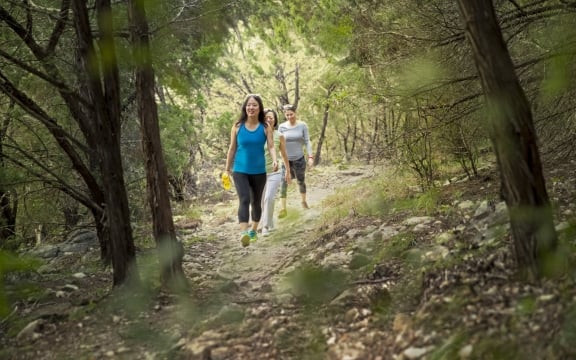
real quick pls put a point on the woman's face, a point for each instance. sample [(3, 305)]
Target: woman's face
[(269, 118), (290, 115), (252, 107)]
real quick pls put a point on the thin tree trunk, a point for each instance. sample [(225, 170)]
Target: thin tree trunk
[(373, 138), (325, 117), (8, 198), (514, 138), (170, 249), (8, 211)]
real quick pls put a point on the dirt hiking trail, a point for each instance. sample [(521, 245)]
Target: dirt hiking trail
[(250, 281), (255, 266)]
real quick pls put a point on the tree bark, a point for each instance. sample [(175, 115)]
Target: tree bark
[(104, 91), (8, 211), (326, 116), (170, 249), (8, 197), (515, 142)]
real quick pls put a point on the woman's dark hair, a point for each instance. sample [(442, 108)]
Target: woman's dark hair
[(289, 107), (244, 115), (266, 111)]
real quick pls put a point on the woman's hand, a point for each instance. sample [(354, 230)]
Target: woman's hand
[(274, 166), (310, 161), (287, 176)]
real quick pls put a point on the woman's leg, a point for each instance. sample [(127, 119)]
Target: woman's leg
[(300, 174), (257, 184), (242, 185), (265, 203), (283, 193), (272, 184), (284, 187)]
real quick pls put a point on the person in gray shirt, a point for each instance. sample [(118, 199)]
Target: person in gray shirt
[(297, 138)]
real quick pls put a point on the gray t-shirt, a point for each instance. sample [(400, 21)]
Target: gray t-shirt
[(297, 137)]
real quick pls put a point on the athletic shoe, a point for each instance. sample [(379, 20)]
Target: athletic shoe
[(245, 239), (253, 235), (265, 231), (282, 214)]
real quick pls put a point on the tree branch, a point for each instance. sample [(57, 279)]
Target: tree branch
[(61, 137), (518, 7), (56, 181), (59, 27), (24, 33), (57, 84)]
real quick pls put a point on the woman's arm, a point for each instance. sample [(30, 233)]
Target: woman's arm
[(285, 158), (271, 149), (308, 144), (231, 149)]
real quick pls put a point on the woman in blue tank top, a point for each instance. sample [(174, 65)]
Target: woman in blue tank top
[(246, 160)]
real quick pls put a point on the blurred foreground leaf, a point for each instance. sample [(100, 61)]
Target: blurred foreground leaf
[(317, 285), (10, 263)]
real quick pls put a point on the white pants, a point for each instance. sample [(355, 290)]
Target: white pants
[(273, 182)]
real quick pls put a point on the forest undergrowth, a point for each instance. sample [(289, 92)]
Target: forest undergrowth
[(374, 270)]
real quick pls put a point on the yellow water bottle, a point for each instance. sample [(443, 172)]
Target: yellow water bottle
[(226, 181)]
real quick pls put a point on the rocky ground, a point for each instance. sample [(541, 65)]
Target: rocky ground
[(434, 279)]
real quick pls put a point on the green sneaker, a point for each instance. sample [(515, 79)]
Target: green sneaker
[(283, 213), (253, 235), (245, 239)]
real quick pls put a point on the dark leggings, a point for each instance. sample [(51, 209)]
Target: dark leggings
[(249, 189), (298, 171)]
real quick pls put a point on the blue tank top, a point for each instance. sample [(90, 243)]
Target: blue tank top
[(250, 157)]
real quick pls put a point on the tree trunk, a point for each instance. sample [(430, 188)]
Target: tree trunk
[(104, 91), (170, 249), (8, 198), (373, 138), (284, 97), (513, 135), (8, 211), (317, 156), (322, 136)]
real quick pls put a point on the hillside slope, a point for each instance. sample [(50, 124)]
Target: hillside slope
[(371, 271)]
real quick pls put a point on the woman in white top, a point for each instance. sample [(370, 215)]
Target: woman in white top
[(297, 138), (274, 178)]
